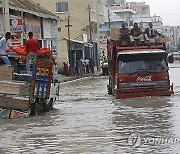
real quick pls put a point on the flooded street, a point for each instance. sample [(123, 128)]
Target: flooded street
[(87, 120)]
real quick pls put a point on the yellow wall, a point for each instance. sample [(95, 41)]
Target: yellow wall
[(79, 19)]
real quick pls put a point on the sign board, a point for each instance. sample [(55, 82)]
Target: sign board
[(17, 38), (16, 24), (85, 39), (16, 28)]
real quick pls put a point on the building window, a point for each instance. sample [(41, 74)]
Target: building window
[(61, 6)]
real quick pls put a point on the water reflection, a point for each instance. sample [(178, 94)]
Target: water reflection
[(88, 121), (149, 116)]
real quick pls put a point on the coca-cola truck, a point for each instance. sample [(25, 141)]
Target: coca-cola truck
[(137, 71)]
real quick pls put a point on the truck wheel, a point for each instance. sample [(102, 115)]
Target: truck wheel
[(109, 90), (113, 92), (35, 109)]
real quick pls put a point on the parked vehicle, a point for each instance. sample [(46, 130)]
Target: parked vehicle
[(138, 71), (170, 58)]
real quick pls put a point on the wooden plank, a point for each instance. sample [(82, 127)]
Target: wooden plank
[(14, 103), (14, 88)]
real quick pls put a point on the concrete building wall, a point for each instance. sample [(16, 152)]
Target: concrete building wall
[(140, 8), (123, 11), (1, 25), (116, 1), (32, 24), (143, 22), (173, 33), (126, 15), (78, 13)]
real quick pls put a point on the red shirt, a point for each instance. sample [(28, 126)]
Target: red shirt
[(32, 45)]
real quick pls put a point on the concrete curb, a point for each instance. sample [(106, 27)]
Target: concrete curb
[(64, 79)]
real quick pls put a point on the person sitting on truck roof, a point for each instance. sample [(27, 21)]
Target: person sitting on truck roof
[(3, 46), (151, 33), (136, 33), (32, 46), (124, 34)]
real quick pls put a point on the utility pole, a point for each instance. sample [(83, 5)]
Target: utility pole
[(69, 45), (109, 20), (6, 20), (90, 27), (90, 31), (98, 35)]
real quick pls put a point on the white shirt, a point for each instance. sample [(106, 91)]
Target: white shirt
[(87, 62), (3, 45)]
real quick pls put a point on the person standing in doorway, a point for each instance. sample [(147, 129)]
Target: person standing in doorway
[(3, 46), (32, 46), (91, 65), (87, 65), (151, 33)]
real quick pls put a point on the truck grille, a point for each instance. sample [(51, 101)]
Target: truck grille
[(144, 86)]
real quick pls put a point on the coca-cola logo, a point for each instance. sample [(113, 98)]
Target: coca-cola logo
[(143, 79)]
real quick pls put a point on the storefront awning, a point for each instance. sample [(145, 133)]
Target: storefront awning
[(79, 42)]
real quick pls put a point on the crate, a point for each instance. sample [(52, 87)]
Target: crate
[(18, 103), (6, 72)]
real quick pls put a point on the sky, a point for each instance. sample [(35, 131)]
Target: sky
[(169, 10)]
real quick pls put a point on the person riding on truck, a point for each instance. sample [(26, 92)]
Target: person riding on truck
[(151, 33), (32, 46), (136, 34), (124, 34), (3, 46)]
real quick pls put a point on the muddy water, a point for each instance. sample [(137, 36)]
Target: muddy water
[(86, 120)]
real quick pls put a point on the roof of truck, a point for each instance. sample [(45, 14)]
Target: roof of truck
[(128, 52)]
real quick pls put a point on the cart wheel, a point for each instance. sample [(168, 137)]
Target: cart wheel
[(50, 105), (36, 109)]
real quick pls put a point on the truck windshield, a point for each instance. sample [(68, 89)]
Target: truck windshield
[(131, 66)]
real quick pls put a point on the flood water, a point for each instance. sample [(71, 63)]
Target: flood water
[(86, 120)]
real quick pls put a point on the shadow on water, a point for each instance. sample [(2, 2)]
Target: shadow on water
[(150, 117)]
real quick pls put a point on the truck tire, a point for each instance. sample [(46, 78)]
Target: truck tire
[(36, 109), (113, 92), (109, 90)]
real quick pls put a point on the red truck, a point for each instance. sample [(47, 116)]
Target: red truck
[(137, 71)]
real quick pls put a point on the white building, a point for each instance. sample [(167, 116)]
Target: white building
[(116, 1), (143, 22), (141, 9), (111, 20), (173, 33), (123, 11)]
